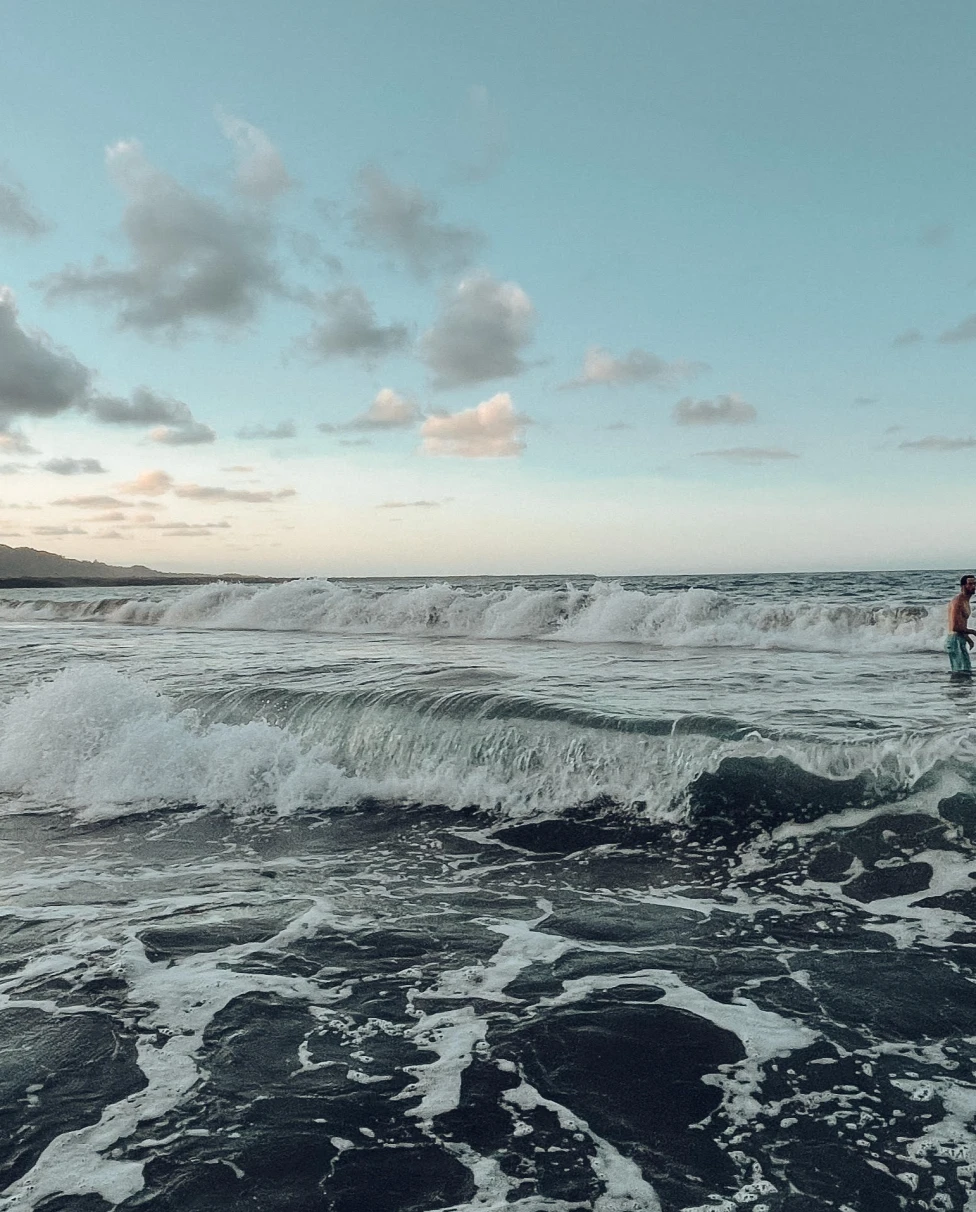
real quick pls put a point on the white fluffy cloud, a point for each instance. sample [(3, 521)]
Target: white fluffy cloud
[(491, 430), (350, 330), (148, 484), (402, 221), (723, 410), (156, 482), (601, 368), (387, 411), (191, 259), (483, 329), (36, 378)]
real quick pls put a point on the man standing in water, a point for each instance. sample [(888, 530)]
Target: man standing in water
[(958, 641)]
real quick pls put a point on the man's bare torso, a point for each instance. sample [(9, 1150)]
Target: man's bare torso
[(959, 612)]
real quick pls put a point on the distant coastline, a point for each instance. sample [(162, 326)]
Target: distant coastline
[(135, 582)]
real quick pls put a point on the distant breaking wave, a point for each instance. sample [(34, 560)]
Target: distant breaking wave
[(604, 612)]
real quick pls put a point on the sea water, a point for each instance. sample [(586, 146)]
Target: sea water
[(538, 893)]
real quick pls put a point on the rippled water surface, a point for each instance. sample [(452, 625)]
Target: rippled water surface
[(530, 894)]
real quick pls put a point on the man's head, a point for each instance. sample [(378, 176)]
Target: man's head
[(968, 584)]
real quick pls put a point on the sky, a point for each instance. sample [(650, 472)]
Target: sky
[(434, 287)]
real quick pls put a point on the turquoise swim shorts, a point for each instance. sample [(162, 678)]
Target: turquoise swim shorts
[(958, 651)]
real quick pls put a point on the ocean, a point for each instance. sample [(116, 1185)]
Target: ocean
[(539, 894)]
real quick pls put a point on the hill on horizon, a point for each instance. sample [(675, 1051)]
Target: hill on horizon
[(29, 562)]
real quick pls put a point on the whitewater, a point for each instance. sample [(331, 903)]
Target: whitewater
[(544, 893)]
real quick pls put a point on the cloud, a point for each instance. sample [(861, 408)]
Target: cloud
[(12, 441), (36, 378), (911, 336), (261, 173), (402, 221), (354, 441), (492, 430), (17, 213), (865, 399), (284, 429), (186, 526), (147, 484), (58, 530), (410, 505), (92, 502), (964, 331), (191, 259), (749, 454), (387, 411), (349, 329), (601, 368), (723, 410), (203, 492), (490, 136), (238, 467), (935, 236), (12, 469), (145, 408), (113, 515), (191, 433), (934, 442), (480, 334), (73, 467)]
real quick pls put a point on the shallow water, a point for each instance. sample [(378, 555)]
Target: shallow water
[(391, 896)]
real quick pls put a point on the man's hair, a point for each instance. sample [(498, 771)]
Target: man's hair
[(968, 577)]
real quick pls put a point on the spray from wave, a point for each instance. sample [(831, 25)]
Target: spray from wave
[(604, 612)]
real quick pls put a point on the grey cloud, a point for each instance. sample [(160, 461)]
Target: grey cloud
[(185, 526), (55, 530), (190, 433), (17, 213), (601, 368), (402, 221), (865, 399), (203, 492), (355, 442), (12, 441), (36, 378), (261, 172), (964, 331), (145, 408), (284, 429), (191, 259), (911, 336), (410, 505), (12, 469), (936, 235), (350, 330), (92, 502), (934, 442), (483, 328), (749, 454), (723, 410), (73, 467), (490, 137)]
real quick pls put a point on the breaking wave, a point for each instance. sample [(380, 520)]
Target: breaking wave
[(604, 612), (104, 743)]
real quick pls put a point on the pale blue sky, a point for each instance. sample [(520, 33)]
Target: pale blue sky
[(744, 205)]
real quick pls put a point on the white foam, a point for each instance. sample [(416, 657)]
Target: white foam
[(603, 612)]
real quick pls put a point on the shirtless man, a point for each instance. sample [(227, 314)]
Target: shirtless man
[(959, 639)]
